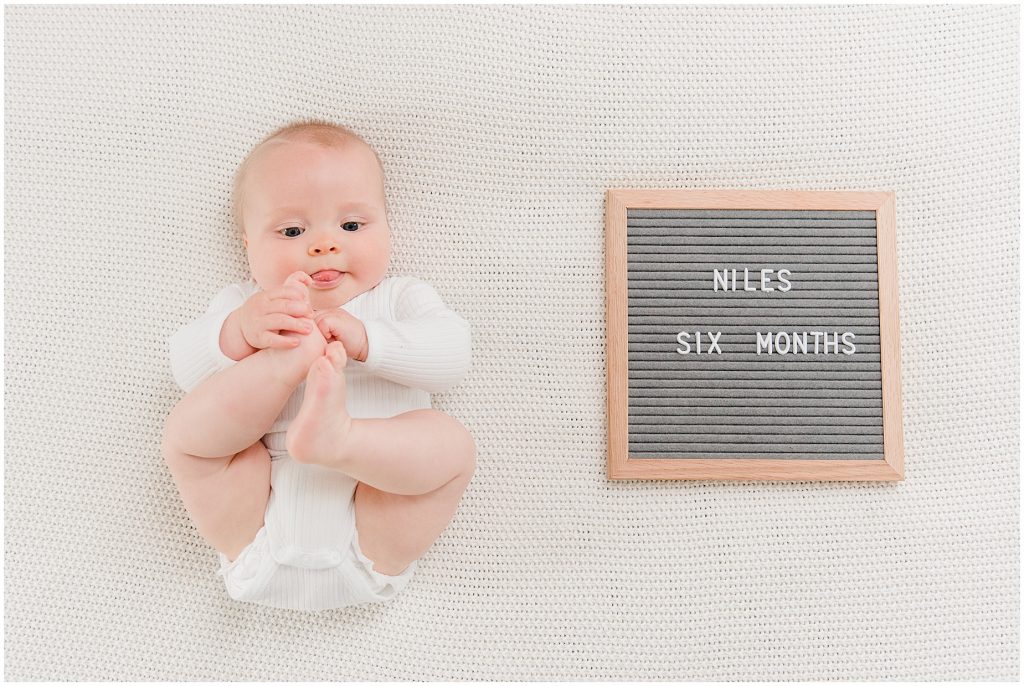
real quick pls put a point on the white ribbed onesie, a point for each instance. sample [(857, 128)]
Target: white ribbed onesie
[(307, 555)]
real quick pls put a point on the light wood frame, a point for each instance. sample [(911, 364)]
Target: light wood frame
[(622, 466)]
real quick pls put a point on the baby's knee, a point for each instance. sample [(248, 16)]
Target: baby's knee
[(468, 446), (465, 449)]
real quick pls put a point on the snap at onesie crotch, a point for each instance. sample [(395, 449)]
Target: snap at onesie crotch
[(307, 554)]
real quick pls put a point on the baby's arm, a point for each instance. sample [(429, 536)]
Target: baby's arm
[(426, 345), (195, 349)]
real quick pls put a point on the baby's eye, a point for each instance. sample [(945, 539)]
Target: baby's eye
[(291, 235), (351, 226)]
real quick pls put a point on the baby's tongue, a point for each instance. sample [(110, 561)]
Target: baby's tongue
[(327, 275)]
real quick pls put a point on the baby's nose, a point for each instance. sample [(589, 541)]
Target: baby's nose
[(323, 247)]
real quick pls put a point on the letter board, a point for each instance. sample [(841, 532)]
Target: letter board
[(753, 335)]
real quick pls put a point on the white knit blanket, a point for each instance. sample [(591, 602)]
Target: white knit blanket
[(500, 127)]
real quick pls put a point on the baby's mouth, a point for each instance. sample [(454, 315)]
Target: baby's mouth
[(326, 279), (326, 275)]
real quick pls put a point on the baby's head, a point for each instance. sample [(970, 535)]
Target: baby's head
[(310, 197)]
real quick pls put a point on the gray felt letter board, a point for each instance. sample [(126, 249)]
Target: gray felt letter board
[(753, 335)]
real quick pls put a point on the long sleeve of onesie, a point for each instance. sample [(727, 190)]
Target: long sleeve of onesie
[(423, 345), (195, 352), (413, 338)]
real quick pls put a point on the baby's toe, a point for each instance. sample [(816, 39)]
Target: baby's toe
[(336, 354)]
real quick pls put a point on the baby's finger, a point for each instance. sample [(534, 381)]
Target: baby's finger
[(274, 340), (298, 277), (289, 294), (296, 286), (293, 306), (284, 322), (293, 300), (298, 292), (325, 328)]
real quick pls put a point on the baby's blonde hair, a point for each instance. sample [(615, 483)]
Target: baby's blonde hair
[(318, 131)]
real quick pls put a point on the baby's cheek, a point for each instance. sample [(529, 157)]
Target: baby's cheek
[(375, 264)]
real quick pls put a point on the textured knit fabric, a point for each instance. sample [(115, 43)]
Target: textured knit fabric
[(306, 557), (500, 129)]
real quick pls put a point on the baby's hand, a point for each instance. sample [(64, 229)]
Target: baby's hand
[(339, 325), (267, 314)]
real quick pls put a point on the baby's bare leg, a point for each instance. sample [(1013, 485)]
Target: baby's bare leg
[(212, 442), (410, 454), (233, 409)]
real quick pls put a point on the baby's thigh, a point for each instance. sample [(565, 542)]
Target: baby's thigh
[(396, 530), (225, 497)]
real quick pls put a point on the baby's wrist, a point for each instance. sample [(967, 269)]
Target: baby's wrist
[(362, 345), (232, 338)]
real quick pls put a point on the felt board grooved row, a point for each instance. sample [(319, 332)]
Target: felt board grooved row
[(819, 406)]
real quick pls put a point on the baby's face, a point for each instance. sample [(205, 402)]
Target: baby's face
[(315, 209)]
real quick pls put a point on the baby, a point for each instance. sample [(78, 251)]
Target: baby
[(306, 451)]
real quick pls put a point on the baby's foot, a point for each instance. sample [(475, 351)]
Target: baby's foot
[(319, 432)]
